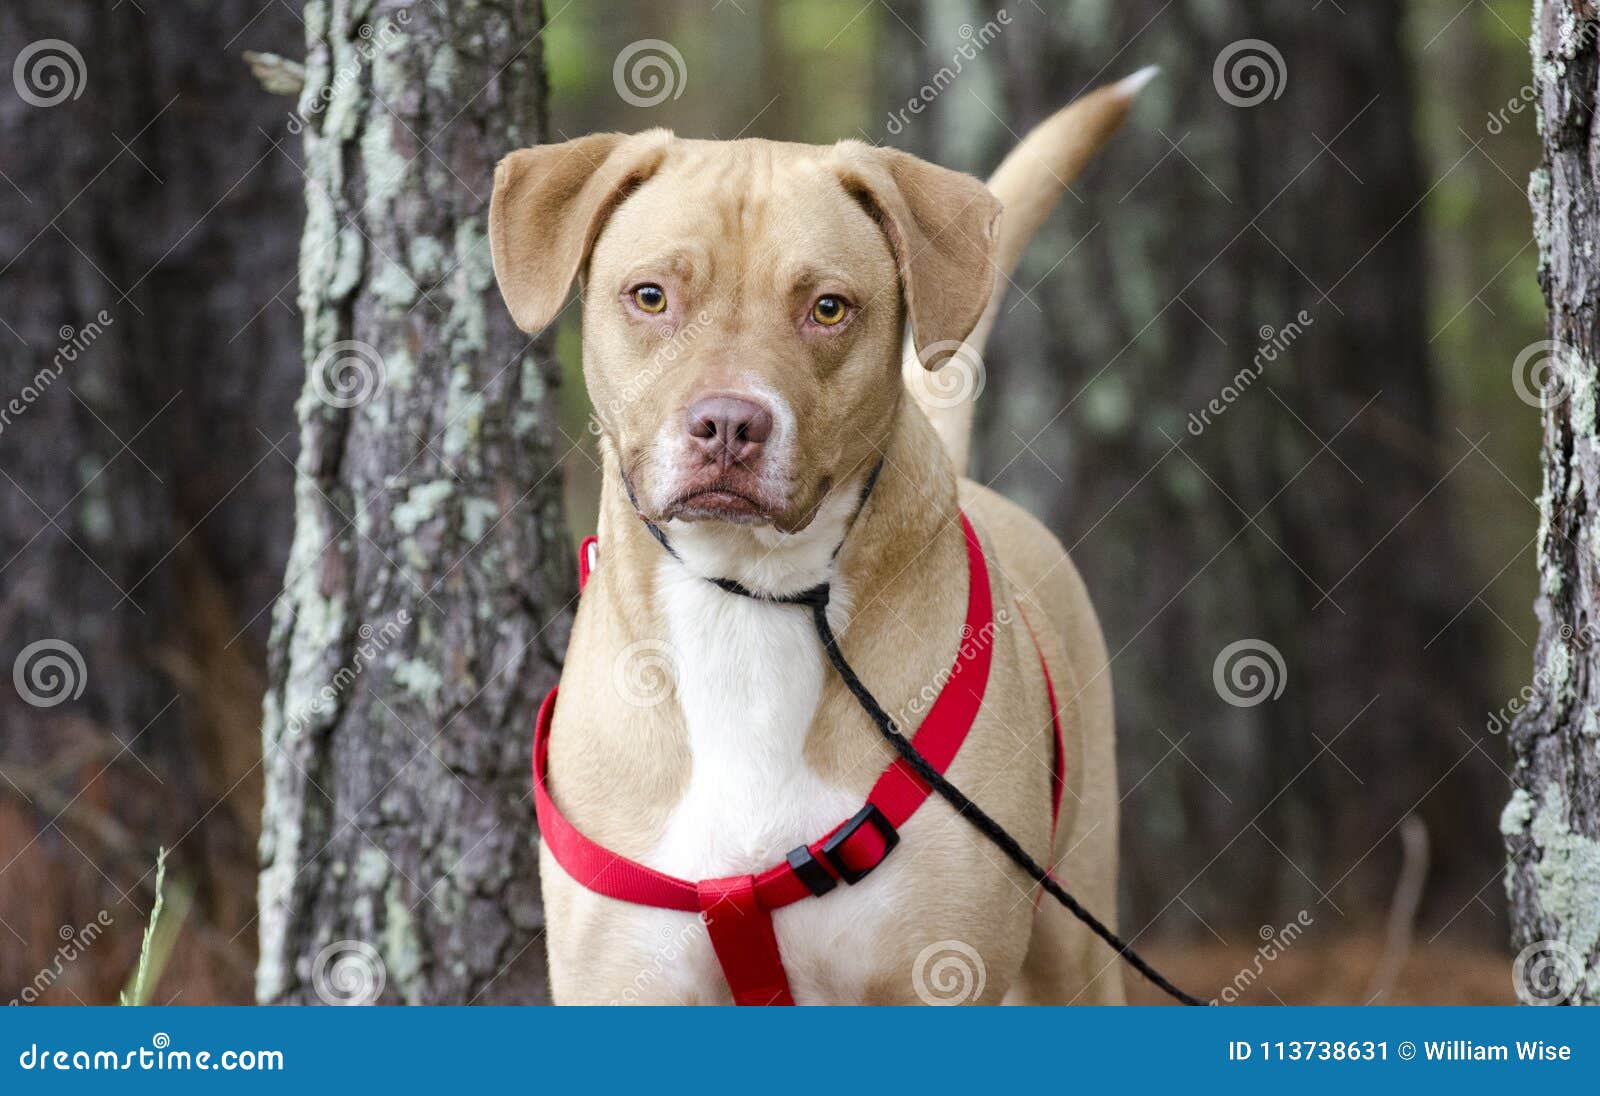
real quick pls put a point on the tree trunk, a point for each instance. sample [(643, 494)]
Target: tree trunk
[(1220, 252), (1552, 823), (141, 239), (429, 584)]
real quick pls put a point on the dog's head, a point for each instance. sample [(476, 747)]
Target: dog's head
[(745, 303)]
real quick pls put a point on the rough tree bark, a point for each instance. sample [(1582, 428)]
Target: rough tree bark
[(1552, 823), (428, 586), (1183, 261), (141, 239)]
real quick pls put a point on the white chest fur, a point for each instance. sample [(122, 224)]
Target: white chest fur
[(749, 677)]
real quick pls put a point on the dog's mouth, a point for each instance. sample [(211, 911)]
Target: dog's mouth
[(717, 501)]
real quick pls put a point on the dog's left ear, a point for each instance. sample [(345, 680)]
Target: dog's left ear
[(942, 226)]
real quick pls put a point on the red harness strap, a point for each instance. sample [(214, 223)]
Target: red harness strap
[(1058, 753), (737, 910)]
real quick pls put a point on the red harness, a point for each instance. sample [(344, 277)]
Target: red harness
[(737, 910)]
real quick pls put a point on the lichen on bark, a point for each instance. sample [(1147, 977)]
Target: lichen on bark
[(1552, 822), (429, 579)]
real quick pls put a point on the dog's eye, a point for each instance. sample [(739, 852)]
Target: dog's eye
[(651, 298), (828, 310)]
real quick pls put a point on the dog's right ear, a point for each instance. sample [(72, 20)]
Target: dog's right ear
[(549, 205)]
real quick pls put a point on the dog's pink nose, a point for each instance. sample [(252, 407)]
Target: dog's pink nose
[(729, 429)]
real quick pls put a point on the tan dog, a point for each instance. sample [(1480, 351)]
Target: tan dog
[(744, 309)]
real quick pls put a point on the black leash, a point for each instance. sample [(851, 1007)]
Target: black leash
[(816, 599)]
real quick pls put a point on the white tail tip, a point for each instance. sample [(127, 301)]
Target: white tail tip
[(1130, 86)]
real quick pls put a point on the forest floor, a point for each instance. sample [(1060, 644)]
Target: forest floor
[(1336, 973)]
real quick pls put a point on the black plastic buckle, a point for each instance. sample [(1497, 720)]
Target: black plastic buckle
[(817, 878), (869, 813), (811, 873)]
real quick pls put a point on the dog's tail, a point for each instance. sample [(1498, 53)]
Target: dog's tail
[(1029, 182)]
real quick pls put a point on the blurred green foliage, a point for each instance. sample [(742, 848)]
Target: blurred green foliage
[(1484, 303)]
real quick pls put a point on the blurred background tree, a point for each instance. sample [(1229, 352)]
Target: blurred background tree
[(148, 227), (1404, 237), (1260, 215)]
